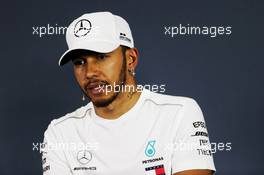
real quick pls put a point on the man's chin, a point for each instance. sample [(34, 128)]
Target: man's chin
[(103, 101)]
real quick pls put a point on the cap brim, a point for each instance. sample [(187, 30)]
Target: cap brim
[(100, 47)]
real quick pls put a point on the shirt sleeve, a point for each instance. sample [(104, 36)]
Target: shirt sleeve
[(191, 147), (53, 158)]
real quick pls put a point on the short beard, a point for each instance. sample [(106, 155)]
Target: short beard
[(121, 82)]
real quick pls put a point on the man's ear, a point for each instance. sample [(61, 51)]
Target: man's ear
[(132, 58)]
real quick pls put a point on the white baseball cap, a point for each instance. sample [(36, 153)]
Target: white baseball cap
[(100, 32)]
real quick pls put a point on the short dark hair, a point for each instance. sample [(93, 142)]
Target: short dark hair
[(124, 49)]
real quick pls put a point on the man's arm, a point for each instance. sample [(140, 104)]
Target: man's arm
[(194, 157), (53, 158), (195, 172)]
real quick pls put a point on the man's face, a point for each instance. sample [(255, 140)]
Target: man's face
[(94, 70)]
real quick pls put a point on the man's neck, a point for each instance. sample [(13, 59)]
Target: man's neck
[(123, 103)]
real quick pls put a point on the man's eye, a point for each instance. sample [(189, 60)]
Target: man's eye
[(78, 62)]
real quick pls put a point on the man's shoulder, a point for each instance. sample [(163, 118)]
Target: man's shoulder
[(165, 99), (79, 113)]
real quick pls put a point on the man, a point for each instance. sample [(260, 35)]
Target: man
[(125, 129)]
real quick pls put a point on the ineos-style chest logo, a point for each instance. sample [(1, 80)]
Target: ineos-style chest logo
[(82, 28), (84, 157)]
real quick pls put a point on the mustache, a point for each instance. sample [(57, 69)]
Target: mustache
[(93, 83)]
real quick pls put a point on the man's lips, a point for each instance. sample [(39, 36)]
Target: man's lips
[(96, 91), (96, 87)]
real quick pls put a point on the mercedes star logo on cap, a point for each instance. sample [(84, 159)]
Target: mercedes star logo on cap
[(84, 157), (82, 27)]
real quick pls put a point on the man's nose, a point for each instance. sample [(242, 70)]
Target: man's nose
[(91, 67)]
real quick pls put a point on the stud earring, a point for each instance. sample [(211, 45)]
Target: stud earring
[(83, 98), (132, 72)]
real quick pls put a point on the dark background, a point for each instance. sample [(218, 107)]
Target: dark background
[(224, 74)]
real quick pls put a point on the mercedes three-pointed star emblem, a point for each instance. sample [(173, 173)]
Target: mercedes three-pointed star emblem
[(84, 157), (82, 28)]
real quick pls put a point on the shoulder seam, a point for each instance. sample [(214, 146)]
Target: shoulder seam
[(178, 104), (73, 116)]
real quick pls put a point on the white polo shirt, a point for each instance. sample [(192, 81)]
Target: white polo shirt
[(159, 135)]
